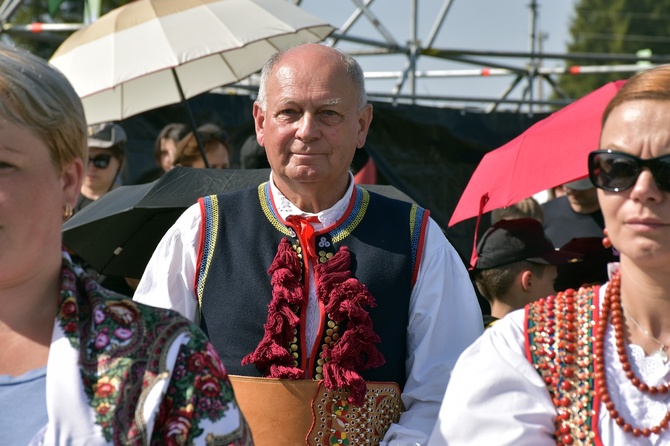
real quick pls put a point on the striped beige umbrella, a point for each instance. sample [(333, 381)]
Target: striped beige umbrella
[(151, 53)]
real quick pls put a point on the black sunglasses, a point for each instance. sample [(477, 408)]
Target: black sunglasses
[(100, 161), (618, 171)]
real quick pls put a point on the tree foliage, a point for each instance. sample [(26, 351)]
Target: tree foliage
[(614, 27)]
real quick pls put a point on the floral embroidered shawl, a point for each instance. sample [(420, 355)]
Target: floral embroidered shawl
[(120, 372)]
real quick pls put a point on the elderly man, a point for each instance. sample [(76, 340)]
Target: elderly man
[(312, 279)]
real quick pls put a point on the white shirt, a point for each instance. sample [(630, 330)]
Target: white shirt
[(496, 397), (444, 314)]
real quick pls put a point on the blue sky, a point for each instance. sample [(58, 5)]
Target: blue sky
[(497, 25)]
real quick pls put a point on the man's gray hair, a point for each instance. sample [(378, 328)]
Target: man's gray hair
[(351, 66)]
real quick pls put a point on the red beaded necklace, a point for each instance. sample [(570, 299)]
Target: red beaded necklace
[(612, 305)]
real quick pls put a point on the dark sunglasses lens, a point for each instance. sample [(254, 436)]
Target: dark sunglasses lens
[(613, 171), (660, 168), (100, 161)]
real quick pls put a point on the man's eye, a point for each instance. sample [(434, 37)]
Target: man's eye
[(6, 167)]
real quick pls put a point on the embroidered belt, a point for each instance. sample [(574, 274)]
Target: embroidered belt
[(304, 412)]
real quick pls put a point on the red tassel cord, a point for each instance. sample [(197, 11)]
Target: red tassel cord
[(271, 354), (344, 299)]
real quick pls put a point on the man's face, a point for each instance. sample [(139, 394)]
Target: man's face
[(217, 156), (582, 201), (311, 126)]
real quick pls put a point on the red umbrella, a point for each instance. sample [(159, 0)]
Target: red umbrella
[(551, 152)]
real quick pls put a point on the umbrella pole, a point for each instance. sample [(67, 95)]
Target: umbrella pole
[(473, 257), (191, 119)]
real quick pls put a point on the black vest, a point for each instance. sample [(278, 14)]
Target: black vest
[(241, 233)]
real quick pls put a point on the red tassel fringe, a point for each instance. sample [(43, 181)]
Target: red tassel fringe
[(344, 298), (271, 354)]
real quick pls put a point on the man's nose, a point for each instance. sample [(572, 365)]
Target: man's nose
[(307, 128)]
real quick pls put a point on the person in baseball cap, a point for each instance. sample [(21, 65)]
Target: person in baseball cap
[(106, 154), (575, 214), (516, 264)]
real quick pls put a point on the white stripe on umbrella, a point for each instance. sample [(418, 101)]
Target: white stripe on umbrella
[(122, 64)]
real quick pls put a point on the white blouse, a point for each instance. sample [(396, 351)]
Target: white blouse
[(496, 397)]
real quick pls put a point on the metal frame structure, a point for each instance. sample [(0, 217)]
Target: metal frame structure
[(526, 76)]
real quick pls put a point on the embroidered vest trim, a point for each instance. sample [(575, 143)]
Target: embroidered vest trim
[(209, 207), (287, 351), (559, 344)]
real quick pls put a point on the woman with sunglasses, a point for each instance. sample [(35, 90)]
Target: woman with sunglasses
[(588, 366), (106, 152), (80, 365)]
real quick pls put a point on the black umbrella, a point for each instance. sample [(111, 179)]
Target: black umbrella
[(118, 233)]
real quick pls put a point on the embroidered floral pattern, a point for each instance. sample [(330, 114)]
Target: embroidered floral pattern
[(123, 353), (338, 422), (189, 400)]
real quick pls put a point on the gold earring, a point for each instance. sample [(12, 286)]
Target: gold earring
[(67, 211)]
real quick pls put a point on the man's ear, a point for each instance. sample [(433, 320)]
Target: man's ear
[(364, 121), (527, 280), (259, 123)]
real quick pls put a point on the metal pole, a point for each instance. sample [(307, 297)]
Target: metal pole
[(540, 45), (413, 45), (350, 21), (91, 11), (37, 27), (191, 119), (532, 64), (432, 35)]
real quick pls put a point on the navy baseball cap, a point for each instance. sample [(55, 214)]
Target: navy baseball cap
[(509, 241), (106, 135)]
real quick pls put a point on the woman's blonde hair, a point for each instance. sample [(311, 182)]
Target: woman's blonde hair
[(38, 96)]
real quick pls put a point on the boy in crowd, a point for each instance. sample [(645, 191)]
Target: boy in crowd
[(516, 264)]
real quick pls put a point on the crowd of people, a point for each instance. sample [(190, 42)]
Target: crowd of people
[(311, 310)]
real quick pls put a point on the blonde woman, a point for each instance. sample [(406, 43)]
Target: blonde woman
[(80, 364)]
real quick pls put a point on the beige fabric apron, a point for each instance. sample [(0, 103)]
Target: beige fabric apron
[(303, 412)]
